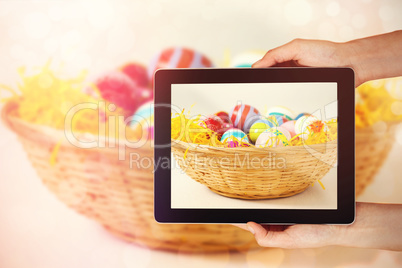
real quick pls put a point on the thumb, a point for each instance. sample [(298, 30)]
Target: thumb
[(260, 233), (284, 53)]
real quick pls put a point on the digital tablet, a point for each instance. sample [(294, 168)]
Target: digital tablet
[(270, 145)]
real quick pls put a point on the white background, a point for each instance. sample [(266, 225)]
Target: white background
[(206, 99)]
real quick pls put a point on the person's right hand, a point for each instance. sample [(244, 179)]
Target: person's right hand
[(371, 58)]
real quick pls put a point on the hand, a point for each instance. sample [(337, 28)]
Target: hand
[(371, 58), (293, 236), (376, 226)]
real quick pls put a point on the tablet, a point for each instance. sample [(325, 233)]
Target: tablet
[(270, 145)]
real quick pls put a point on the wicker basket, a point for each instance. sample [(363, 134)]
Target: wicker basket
[(372, 149), (95, 183), (256, 173)]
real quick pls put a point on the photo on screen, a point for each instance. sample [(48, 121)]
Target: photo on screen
[(254, 146)]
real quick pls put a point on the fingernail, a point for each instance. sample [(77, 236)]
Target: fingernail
[(250, 229)]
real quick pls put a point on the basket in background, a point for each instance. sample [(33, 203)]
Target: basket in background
[(256, 173), (95, 183), (372, 149)]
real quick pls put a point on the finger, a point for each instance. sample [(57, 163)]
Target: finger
[(286, 52), (260, 233), (270, 235), (242, 226)]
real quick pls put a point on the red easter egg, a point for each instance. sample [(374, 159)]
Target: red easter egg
[(225, 127), (119, 89), (137, 72), (214, 123), (224, 116), (178, 57)]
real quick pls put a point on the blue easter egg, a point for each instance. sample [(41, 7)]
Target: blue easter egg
[(143, 119), (235, 133)]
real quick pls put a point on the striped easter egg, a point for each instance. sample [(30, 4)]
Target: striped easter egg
[(243, 116), (282, 111), (143, 120), (234, 133), (178, 57), (235, 138)]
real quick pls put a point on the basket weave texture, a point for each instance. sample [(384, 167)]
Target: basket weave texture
[(256, 173), (96, 183), (372, 149)]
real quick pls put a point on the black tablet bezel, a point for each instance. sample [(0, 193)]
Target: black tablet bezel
[(344, 77)]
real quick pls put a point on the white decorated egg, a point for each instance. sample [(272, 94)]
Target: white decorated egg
[(273, 137)]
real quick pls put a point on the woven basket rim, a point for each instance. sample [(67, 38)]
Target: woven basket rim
[(182, 144), (58, 135)]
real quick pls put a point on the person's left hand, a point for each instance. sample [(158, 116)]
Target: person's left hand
[(293, 236)]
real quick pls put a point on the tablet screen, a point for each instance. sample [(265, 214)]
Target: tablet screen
[(254, 146)]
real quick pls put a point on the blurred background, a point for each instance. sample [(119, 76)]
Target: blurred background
[(37, 230), (100, 35)]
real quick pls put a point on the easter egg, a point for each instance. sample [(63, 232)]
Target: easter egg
[(303, 124), (225, 127), (277, 120), (214, 123), (246, 59), (234, 134), (143, 120), (224, 116), (119, 89), (300, 115), (258, 127), (137, 72), (243, 116), (232, 143), (273, 137), (178, 57), (290, 126), (282, 111)]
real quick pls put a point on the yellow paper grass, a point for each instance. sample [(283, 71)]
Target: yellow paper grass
[(379, 100), (45, 99)]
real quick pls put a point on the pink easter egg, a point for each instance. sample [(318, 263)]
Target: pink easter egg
[(290, 126)]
